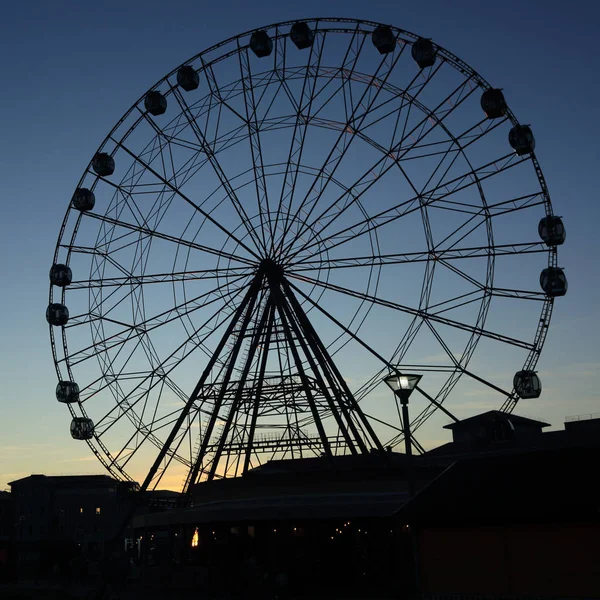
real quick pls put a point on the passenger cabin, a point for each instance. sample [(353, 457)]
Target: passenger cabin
[(527, 384), (155, 103), (188, 78), (493, 103), (553, 281), (261, 44), (521, 139), (552, 231), (383, 39), (67, 392), (60, 275), (103, 164), (83, 199), (423, 52), (57, 314), (82, 428), (301, 35)]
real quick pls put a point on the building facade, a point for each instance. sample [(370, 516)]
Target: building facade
[(59, 517)]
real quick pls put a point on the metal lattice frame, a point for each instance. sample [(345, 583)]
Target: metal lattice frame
[(274, 253)]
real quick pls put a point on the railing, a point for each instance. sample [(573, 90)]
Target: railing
[(587, 417)]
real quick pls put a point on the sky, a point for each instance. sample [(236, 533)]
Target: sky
[(71, 69)]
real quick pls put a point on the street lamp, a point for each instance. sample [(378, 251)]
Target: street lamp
[(403, 385)]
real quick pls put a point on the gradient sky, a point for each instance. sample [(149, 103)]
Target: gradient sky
[(71, 69)]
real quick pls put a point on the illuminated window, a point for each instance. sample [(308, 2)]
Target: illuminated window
[(97, 510), (81, 510), (194, 539)]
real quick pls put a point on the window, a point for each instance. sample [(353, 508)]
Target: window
[(81, 510), (97, 510)]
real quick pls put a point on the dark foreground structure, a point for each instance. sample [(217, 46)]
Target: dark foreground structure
[(504, 511), (306, 527), (516, 525)]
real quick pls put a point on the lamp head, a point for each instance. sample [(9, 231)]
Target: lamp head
[(402, 384)]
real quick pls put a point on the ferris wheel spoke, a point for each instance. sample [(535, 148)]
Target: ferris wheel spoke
[(453, 268), (165, 368), (164, 236), (423, 314), (384, 164), (149, 325), (448, 254), (162, 141), (301, 126), (461, 364), (216, 166), (403, 209), (172, 277), (391, 367), (145, 433), (141, 334), (256, 152), (215, 90), (348, 132), (408, 98), (458, 301), (206, 215)]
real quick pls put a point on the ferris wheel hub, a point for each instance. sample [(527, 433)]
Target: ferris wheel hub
[(271, 270)]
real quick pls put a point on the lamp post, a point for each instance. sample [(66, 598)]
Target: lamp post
[(403, 386)]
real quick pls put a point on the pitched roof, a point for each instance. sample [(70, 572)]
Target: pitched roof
[(67, 480), (497, 415)]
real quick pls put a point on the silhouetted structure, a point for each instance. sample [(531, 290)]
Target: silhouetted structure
[(6, 533), (61, 517), (340, 522), (496, 432), (62, 521), (517, 524)]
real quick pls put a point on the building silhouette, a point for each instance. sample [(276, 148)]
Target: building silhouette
[(500, 486)]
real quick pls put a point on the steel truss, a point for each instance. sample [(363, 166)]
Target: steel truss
[(281, 238)]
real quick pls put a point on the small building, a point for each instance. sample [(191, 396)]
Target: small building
[(59, 517), (496, 432), (494, 426)]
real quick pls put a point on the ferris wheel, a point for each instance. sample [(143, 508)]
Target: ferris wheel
[(278, 224)]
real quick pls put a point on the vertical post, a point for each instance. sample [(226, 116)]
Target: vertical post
[(407, 444)]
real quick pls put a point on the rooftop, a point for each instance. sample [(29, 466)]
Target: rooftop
[(66, 480), (528, 486), (492, 415)]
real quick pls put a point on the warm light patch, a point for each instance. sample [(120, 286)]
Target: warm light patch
[(195, 539)]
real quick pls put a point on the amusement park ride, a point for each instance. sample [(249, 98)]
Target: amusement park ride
[(280, 224)]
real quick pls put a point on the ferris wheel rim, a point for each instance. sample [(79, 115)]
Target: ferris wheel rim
[(454, 61)]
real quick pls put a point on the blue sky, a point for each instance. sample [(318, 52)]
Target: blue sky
[(71, 69)]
